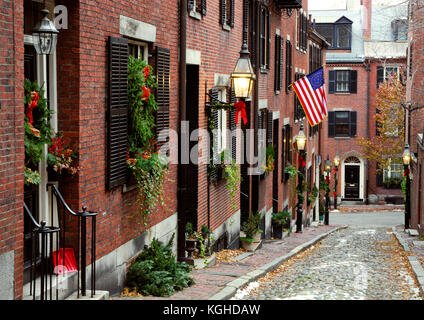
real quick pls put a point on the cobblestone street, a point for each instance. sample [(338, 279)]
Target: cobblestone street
[(359, 262)]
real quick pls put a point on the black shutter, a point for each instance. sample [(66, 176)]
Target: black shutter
[(352, 123), (118, 112), (163, 65), (190, 5), (332, 81), (214, 155), (268, 40), (280, 71), (203, 4), (380, 75), (379, 177), (411, 48), (289, 66), (353, 81), (289, 145), (233, 127), (277, 59), (222, 11), (331, 124), (233, 8), (269, 128)]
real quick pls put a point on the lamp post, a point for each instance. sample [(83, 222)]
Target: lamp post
[(327, 170), (300, 143), (406, 161), (44, 35), (336, 169), (243, 76)]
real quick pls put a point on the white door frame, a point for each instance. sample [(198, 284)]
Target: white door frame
[(361, 176)]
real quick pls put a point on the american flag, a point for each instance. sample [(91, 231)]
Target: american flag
[(311, 93)]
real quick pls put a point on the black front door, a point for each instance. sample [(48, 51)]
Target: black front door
[(352, 182)]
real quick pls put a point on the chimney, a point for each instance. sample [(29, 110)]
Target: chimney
[(367, 16)]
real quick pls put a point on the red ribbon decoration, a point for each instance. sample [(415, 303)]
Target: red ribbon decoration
[(241, 108), (146, 93), (302, 162), (406, 173), (34, 100), (146, 72), (327, 179)]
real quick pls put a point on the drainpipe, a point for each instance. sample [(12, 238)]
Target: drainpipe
[(368, 69)]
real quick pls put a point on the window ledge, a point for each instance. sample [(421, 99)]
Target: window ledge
[(343, 138), (126, 188), (342, 93), (263, 70), (226, 27), (194, 14)]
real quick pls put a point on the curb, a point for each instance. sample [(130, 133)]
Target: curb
[(231, 288), (413, 262)]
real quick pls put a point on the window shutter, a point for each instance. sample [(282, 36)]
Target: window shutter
[(289, 67), (163, 65), (118, 112), (214, 155), (268, 40), (280, 77), (352, 123), (289, 145), (203, 7), (331, 124), (233, 127), (222, 11), (233, 8), (379, 177), (269, 128), (277, 63), (411, 48), (190, 5), (380, 75), (353, 81), (332, 81)]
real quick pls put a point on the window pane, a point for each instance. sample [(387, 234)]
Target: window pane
[(342, 81), (342, 123), (327, 32), (343, 35)]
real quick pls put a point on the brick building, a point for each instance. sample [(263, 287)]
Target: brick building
[(415, 117), (368, 43), (193, 50)]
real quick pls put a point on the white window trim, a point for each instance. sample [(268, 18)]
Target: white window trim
[(142, 47), (222, 122)]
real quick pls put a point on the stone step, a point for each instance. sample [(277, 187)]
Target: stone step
[(412, 232), (100, 295)]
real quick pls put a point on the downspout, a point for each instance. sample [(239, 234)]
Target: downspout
[(368, 69)]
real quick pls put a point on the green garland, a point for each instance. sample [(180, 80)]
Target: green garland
[(148, 166)]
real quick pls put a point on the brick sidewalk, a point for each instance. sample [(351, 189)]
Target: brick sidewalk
[(211, 280), (369, 208)]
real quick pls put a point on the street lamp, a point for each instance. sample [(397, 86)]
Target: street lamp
[(327, 169), (336, 169), (406, 161), (243, 76), (300, 143), (45, 35)]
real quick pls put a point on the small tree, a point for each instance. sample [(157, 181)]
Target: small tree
[(387, 146)]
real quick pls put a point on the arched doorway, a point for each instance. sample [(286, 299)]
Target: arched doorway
[(352, 180)]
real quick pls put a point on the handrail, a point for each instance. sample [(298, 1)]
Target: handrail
[(29, 214), (59, 196)]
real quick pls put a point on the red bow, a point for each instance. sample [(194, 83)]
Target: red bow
[(241, 108), (334, 194), (146, 72), (406, 173), (327, 179), (34, 100), (146, 93), (302, 163)]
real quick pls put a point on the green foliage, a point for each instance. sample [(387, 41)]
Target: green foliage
[(314, 195), (34, 145), (233, 177), (403, 186), (393, 183), (31, 176), (156, 271), (141, 111), (281, 217), (189, 230), (269, 158), (292, 171), (251, 226)]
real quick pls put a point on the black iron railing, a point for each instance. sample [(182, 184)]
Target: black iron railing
[(49, 238), (81, 252)]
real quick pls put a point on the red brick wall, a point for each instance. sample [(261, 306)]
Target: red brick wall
[(12, 135), (83, 91)]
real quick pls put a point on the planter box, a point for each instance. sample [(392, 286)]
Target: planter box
[(252, 246), (201, 263), (277, 231)]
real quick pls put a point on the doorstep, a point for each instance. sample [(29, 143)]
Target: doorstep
[(100, 295)]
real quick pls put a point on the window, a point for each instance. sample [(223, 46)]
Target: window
[(264, 38), (342, 81), (222, 122), (226, 16), (289, 65), (400, 30), (197, 6), (314, 57), (338, 34), (385, 72), (286, 156), (299, 113), (342, 123), (302, 31), (138, 49), (393, 174), (278, 77)]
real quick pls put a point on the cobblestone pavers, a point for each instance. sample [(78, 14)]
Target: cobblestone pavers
[(212, 280), (353, 263)]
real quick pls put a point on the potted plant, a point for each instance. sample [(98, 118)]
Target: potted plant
[(252, 233), (190, 243), (280, 221)]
